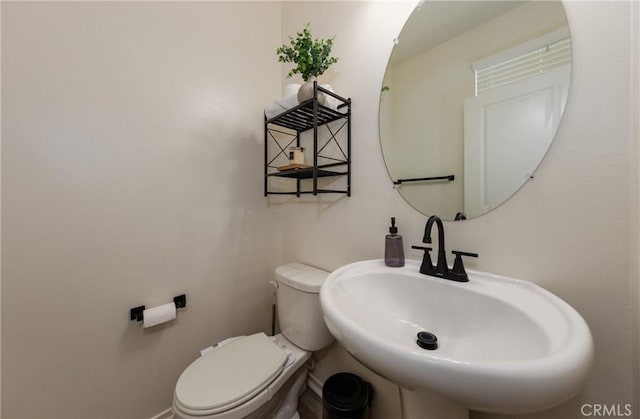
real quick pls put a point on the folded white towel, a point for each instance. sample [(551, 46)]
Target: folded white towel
[(330, 101), (281, 105), (273, 109), (291, 89), (288, 102)]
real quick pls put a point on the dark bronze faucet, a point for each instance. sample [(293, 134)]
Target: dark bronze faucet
[(441, 269)]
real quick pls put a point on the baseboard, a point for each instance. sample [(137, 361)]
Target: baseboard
[(311, 402), (312, 397), (315, 385), (165, 414)]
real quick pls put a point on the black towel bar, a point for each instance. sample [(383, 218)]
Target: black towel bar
[(421, 179)]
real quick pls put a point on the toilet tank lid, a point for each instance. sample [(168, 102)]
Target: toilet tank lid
[(301, 277)]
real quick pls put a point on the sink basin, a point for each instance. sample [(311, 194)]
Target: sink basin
[(503, 345)]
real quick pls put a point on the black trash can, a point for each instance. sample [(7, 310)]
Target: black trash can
[(346, 396)]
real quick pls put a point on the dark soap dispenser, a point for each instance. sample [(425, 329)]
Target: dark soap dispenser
[(393, 247)]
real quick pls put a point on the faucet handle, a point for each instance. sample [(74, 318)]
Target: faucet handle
[(458, 273), (459, 253), (427, 265), (427, 249)]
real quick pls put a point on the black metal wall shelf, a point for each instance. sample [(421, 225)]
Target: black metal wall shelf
[(309, 115), (307, 173), (301, 118)]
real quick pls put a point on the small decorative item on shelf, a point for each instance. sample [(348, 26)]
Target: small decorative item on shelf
[(312, 59), (296, 155)]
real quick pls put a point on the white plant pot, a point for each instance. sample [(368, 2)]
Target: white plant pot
[(306, 92)]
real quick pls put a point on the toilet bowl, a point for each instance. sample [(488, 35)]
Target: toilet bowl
[(260, 376)]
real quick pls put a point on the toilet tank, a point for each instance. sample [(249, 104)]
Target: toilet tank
[(299, 312)]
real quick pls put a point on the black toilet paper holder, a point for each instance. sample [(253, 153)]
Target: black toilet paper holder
[(137, 313)]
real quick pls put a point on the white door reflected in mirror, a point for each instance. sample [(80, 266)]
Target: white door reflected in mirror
[(497, 162)]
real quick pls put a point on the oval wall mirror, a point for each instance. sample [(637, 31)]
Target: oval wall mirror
[(472, 98)]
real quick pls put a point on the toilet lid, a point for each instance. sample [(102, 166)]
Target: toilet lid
[(230, 374)]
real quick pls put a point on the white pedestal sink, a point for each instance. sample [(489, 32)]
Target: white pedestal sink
[(504, 345)]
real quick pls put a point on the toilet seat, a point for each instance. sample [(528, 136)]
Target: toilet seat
[(229, 375)]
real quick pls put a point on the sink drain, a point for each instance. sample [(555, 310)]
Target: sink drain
[(427, 340)]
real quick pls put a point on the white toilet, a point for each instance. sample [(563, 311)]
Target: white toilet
[(259, 376)]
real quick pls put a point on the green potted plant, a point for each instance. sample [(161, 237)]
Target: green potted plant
[(311, 56)]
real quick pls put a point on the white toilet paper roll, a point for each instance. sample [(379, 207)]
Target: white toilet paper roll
[(159, 314)]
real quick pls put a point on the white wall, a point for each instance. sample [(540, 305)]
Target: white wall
[(569, 230), (634, 220), (131, 136), (131, 167)]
